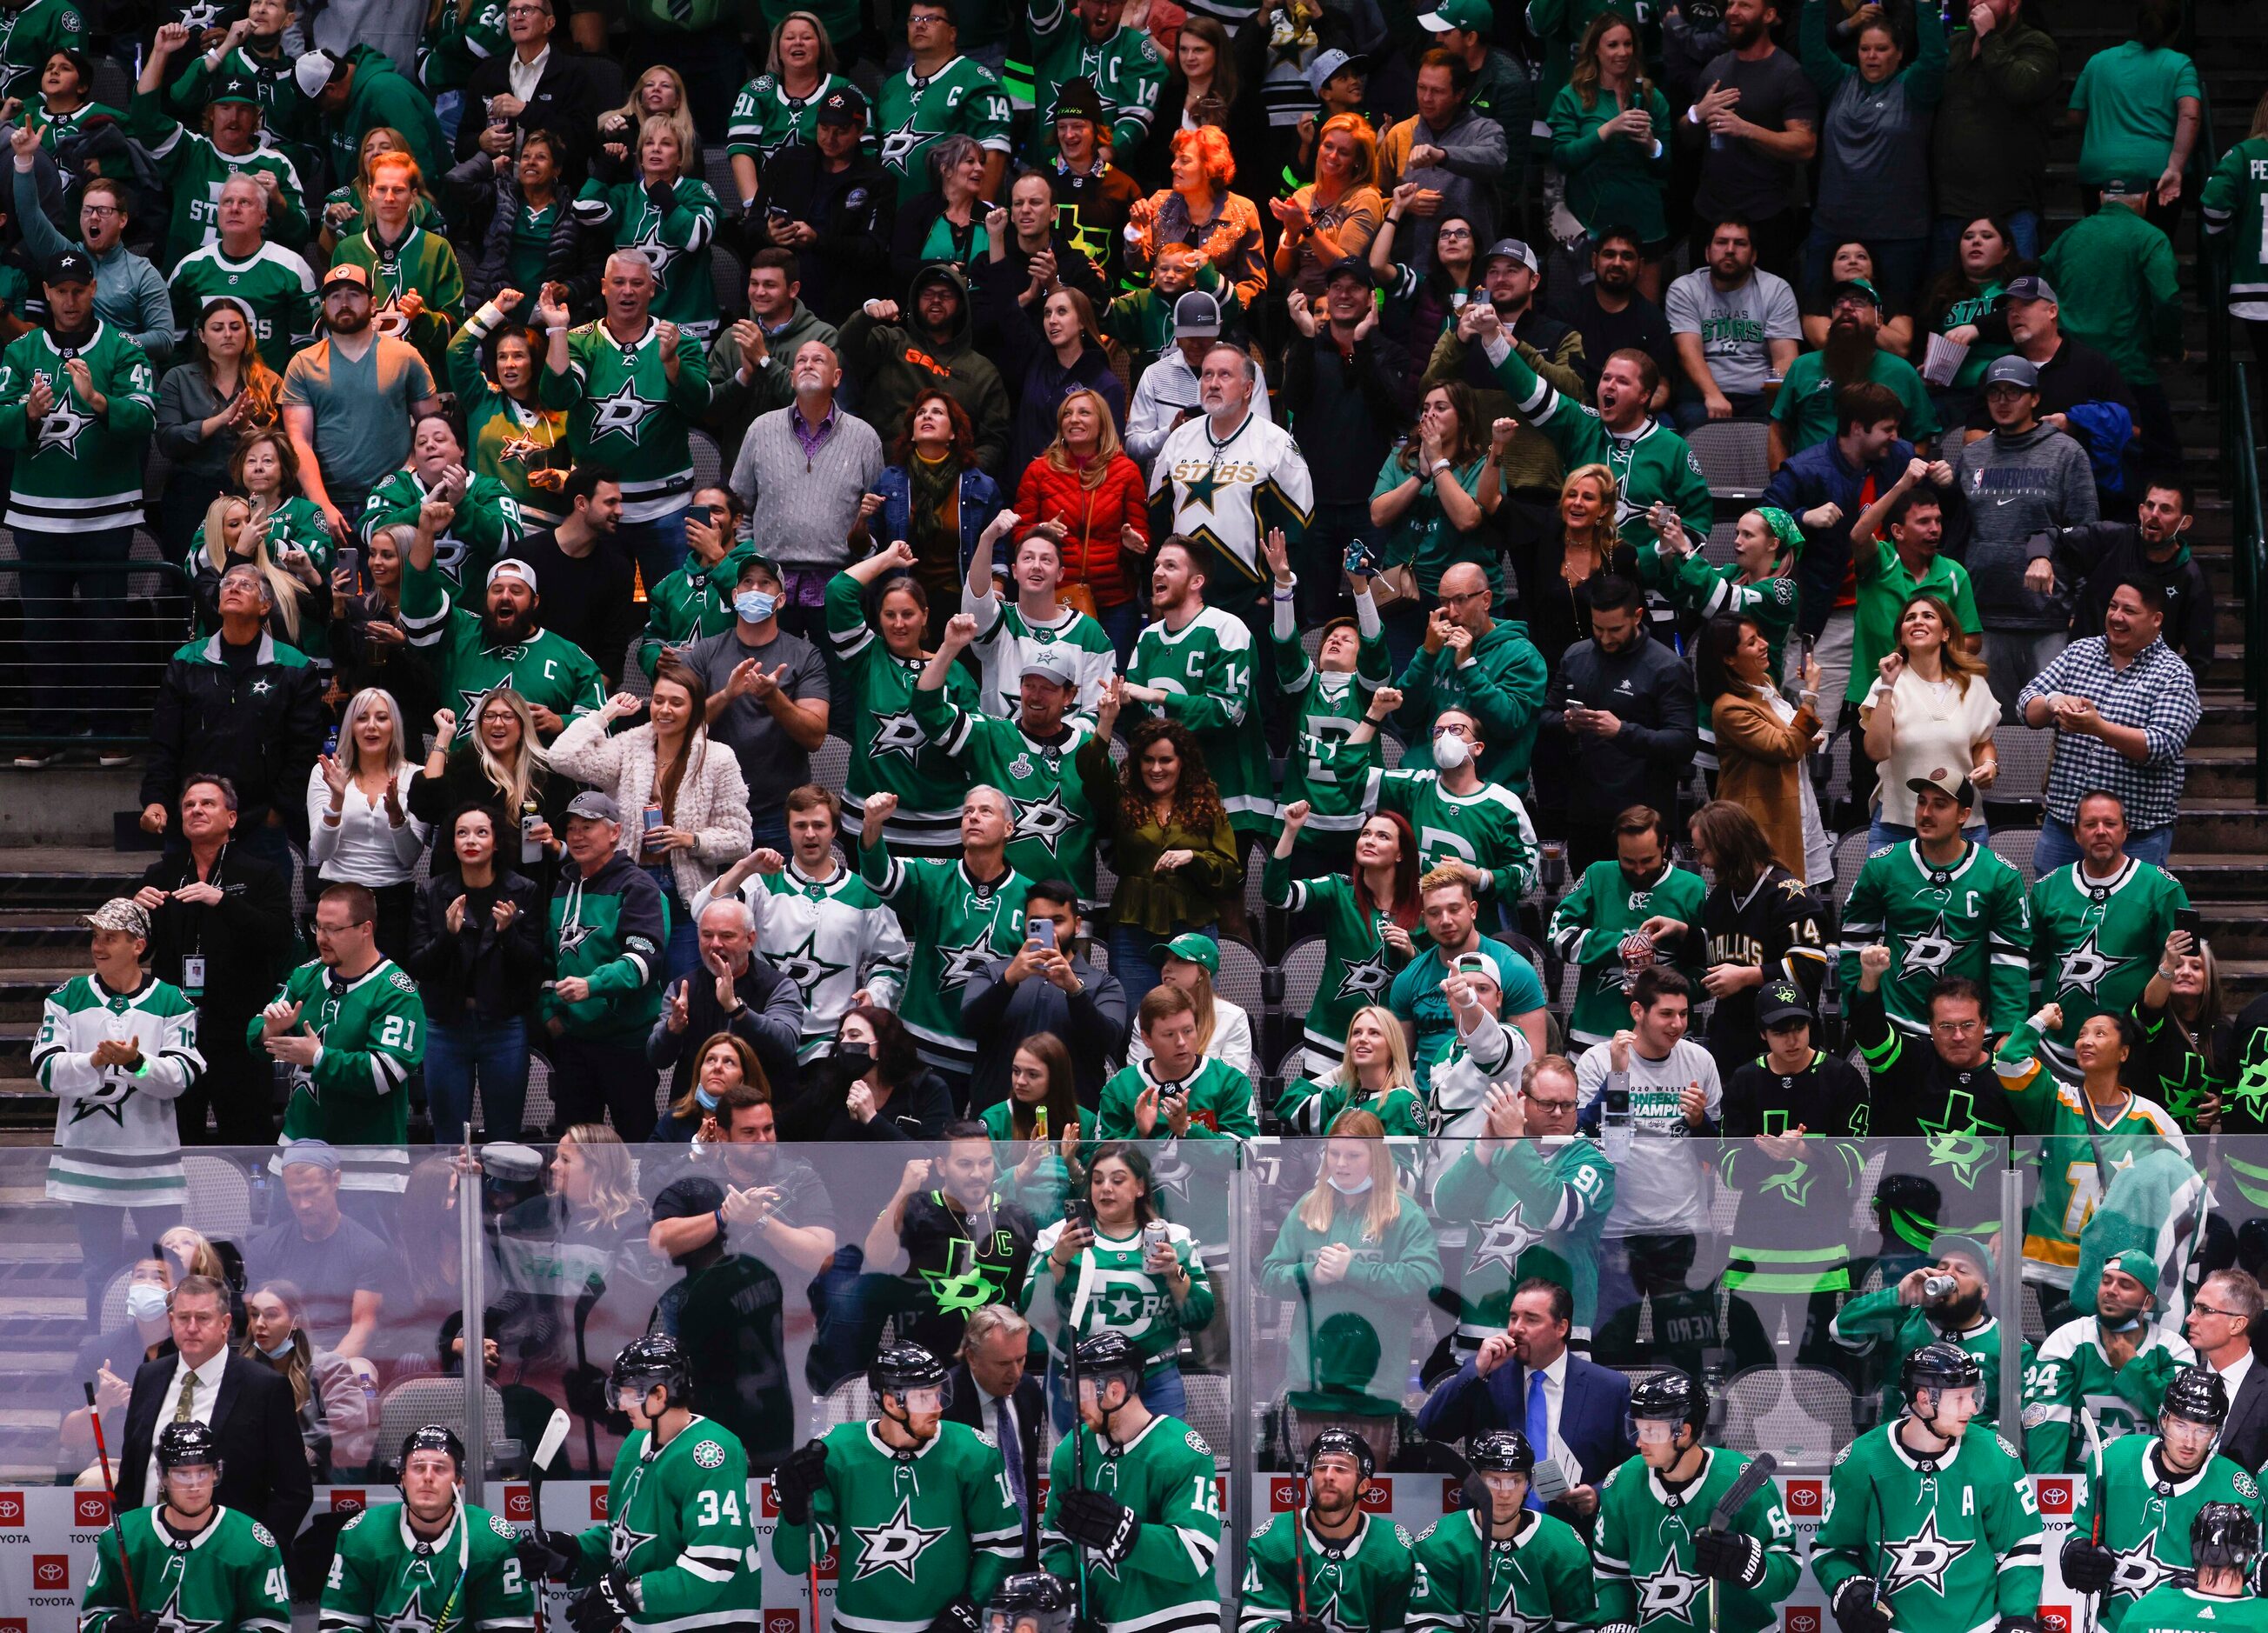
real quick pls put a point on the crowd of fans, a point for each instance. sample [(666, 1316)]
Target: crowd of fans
[(1104, 489)]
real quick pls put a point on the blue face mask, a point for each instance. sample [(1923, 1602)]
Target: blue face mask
[(706, 1101), (753, 605), (279, 1351), (1345, 1189)]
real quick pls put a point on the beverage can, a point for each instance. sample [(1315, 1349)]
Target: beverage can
[(1155, 1235)]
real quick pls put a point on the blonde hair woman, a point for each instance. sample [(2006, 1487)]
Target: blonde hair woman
[(1929, 707), (1085, 484), (1336, 214), (1350, 1338), (1373, 1075), (1555, 565), (657, 94), (665, 162), (360, 831), (1224, 1030), (300, 601), (507, 770)]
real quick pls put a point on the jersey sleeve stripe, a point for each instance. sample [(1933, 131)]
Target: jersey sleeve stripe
[(1201, 1547)]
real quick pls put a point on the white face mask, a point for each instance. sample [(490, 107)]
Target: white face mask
[(145, 1302), (1450, 752)]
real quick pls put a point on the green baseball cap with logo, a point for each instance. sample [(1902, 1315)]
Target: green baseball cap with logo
[(1475, 15), (1191, 948)]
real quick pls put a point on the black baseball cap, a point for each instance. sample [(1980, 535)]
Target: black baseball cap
[(1350, 267), (1780, 1003), (72, 265), (845, 105)]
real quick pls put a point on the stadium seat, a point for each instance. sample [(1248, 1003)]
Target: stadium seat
[(220, 1198), (1211, 1414), (1303, 971), (708, 462), (850, 1401), (1241, 978), (1717, 552), (830, 763), (2035, 1320), (1801, 1414), (409, 1403), (1390, 750), (1106, 882), (2025, 755), (2015, 846), (1850, 857), (1736, 457)]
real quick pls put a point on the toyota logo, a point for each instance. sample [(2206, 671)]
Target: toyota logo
[(51, 1571), (11, 1508), (1805, 1497), (90, 1508), (783, 1621)]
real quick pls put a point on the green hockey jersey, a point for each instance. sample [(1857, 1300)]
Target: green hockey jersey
[(889, 752), (1165, 1473), (2235, 205), (1488, 827), (1356, 1585), (1589, 929), (2071, 1374), (372, 1030), (1542, 1581), (915, 1530), (548, 670), (1054, 827), (694, 602), (2096, 942), (1126, 72), (1123, 1296), (1877, 1322), (1310, 1106), (1204, 668), (2146, 1514), (1322, 767), (1192, 1173), (956, 926), (1692, 584), (912, 113), (508, 440), (277, 285), (672, 231), (1349, 1349), (1954, 1545), (624, 412), (77, 471), (834, 938), (1969, 919), (1537, 1208), (1359, 966), (1644, 1549), (284, 111), (765, 119), (611, 929), (228, 1578), (458, 40), (29, 35), (116, 1142), (385, 1576), (677, 1522), (420, 261), (486, 524), (2170, 1609)]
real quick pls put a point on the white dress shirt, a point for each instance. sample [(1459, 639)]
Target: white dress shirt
[(2235, 1376), (1554, 1397), (525, 75), (201, 1410)]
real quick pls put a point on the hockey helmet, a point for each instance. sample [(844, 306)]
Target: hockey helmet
[(185, 1446), (1028, 1599), (1940, 1365), (2198, 1394), (1106, 1355), (1343, 1443), (647, 1361), (1672, 1396), (431, 1438), (2224, 1536), (899, 1368), (1503, 1451)]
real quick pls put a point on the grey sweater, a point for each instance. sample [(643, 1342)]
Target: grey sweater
[(130, 293), (804, 506), (2012, 488)]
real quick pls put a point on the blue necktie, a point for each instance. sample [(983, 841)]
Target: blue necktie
[(1539, 1428), (1010, 1448)]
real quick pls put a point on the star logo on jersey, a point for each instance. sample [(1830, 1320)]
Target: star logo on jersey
[(1504, 1238), (658, 255), (972, 1290), (108, 1101), (1794, 1183), (411, 1618), (1124, 1307), (1201, 490), (895, 735), (962, 963), (1923, 1558), (897, 1546), (898, 146), (1504, 1615), (573, 934), (2140, 1569), (1043, 820), (1928, 953), (622, 415), (804, 966), (1668, 1590), (201, 16), (622, 1541), (2251, 1088), (1367, 980), (2086, 966), (1958, 1142), (173, 1619), (61, 427)]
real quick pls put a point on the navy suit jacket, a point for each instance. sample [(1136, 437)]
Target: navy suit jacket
[(1593, 1413)]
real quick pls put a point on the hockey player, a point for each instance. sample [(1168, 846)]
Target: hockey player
[(196, 1565), (2224, 1541), (920, 1507), (1655, 1550), (1497, 1563), (1133, 1514), (1926, 1522), (676, 1551), (1030, 1601), (1910, 1315), (430, 1561), (1329, 1567), (2153, 1488)]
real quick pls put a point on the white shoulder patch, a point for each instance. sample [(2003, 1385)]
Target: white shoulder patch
[(2245, 1487), (352, 1523), (1402, 1536), (1840, 1455), (708, 1454), (1266, 1526), (1424, 1536), (984, 1438), (266, 1538), (496, 1523), (2004, 1447), (1608, 1482), (1196, 1442), (2035, 1414), (402, 983), (1883, 850)]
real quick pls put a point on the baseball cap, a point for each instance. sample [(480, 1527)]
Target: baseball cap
[(1855, 286), (1196, 314), (1948, 782), (2137, 1263), (315, 69), (1077, 100), (72, 265), (236, 88), (1053, 661), (844, 104), (512, 567), (1780, 1003), (1326, 65), (120, 913), (1191, 947), (1478, 15), (346, 272), (309, 1154), (2013, 370), (1515, 250), (1350, 267), (1966, 1248), (2031, 286), (2118, 187), (1478, 965), (597, 806)]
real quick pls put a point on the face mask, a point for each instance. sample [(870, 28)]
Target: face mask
[(1450, 752), (754, 606), (279, 1351), (1346, 1189), (704, 1099), (145, 1302), (855, 1053)]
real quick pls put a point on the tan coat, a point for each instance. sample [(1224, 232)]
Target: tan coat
[(1761, 765)]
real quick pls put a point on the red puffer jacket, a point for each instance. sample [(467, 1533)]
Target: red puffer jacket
[(1091, 518)]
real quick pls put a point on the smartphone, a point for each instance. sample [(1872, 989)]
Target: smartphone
[(1041, 932), (1076, 1212), (350, 562), (1360, 559), (2190, 920)]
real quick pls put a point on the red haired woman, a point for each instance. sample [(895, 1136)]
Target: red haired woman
[(1199, 210)]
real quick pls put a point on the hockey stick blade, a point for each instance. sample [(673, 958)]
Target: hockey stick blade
[(1751, 1481)]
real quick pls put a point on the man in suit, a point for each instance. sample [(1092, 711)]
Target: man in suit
[(2220, 1328), (539, 85), (263, 1472), (1526, 1377), (993, 1392)]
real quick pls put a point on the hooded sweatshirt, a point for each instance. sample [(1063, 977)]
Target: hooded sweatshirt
[(382, 95), (610, 928), (2010, 487), (895, 363)]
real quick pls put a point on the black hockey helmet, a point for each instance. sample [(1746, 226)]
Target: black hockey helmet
[(2224, 1536), (2198, 1394), (1343, 1443), (1028, 1597), (1940, 1365), (900, 1367), (184, 1445), (1672, 1395), (653, 1358), (430, 1437), (1106, 1355), (1503, 1451)]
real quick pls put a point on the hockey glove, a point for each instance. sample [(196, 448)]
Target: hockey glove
[(122, 1621), (1310, 1625), (799, 1476), (1108, 1527), (2019, 1624), (1859, 1608), (604, 1607), (1729, 1557), (959, 1616), (2088, 1567), (555, 1554)]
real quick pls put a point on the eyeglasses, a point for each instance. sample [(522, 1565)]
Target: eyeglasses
[(1469, 595), (1543, 1105), (100, 210), (2207, 1309)]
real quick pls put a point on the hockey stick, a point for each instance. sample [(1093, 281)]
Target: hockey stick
[(464, 1569), (110, 1491), (1078, 1442), (1750, 1480), (2094, 1491), (553, 1436), (1300, 1530)]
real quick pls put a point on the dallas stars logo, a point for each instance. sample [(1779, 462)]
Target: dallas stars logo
[(963, 962), (898, 146), (1958, 1142), (1367, 980), (1794, 1183), (1924, 1558), (173, 1619), (200, 16), (1504, 1238), (896, 1546), (2251, 1089), (574, 934), (109, 1099), (1668, 1590), (2140, 1569), (1929, 952), (622, 415), (622, 1541), (1202, 490), (649, 244), (972, 1290), (895, 735), (411, 1618), (1043, 820), (1504, 1615), (804, 966), (2086, 966), (62, 426)]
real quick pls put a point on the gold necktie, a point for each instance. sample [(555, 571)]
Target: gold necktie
[(181, 1413)]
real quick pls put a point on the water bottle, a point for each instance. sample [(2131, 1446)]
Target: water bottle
[(260, 1195)]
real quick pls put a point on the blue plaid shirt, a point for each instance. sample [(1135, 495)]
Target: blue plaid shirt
[(2156, 693)]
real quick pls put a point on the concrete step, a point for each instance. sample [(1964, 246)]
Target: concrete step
[(2230, 827), (41, 937), (2229, 719), (2233, 878), (23, 991), (2220, 770)]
